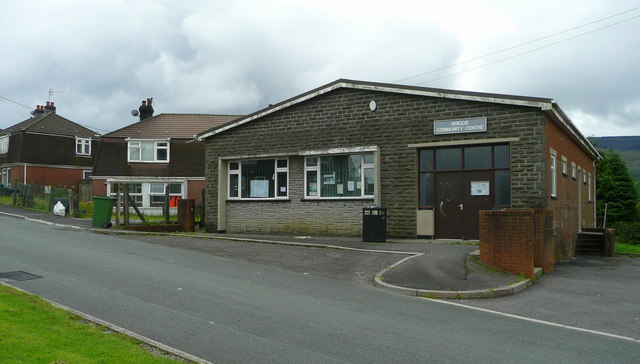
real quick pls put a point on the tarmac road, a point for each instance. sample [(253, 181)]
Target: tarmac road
[(227, 310)]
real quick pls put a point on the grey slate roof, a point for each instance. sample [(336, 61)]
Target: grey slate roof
[(176, 126), (50, 123)]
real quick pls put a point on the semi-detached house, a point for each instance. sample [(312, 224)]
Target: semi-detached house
[(433, 157), (154, 155)]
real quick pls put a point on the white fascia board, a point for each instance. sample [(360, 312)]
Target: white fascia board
[(340, 150), (568, 124), (123, 179)]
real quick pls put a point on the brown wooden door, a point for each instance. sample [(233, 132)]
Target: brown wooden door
[(459, 198)]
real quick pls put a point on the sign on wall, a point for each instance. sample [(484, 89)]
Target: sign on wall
[(480, 188), (458, 126)]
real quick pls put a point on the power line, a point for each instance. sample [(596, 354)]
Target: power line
[(529, 51), (17, 103), (521, 45)]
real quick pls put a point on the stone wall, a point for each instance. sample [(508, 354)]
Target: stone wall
[(342, 118)]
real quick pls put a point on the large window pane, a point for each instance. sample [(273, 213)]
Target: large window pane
[(157, 188), (257, 179), (426, 160), (426, 189), (501, 156), (340, 176), (148, 151), (448, 159), (503, 188), (477, 157), (175, 188)]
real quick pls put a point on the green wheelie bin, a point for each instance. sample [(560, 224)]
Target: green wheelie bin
[(102, 208)]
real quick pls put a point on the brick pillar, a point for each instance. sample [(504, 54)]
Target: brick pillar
[(609, 242)]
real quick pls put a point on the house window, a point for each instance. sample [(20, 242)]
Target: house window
[(6, 177), (135, 191), (83, 146), (554, 175), (86, 174), (564, 167), (339, 176), (259, 178), (157, 192), (584, 176), (574, 173), (4, 144), (589, 188), (148, 151)]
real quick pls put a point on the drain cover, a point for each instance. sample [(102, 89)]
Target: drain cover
[(17, 276)]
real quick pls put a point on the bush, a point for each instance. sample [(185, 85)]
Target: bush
[(627, 232)]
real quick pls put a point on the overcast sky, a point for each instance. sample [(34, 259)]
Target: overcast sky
[(235, 57)]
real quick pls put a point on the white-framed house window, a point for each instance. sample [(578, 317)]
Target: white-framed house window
[(154, 151), (83, 146), (574, 173), (584, 176), (86, 174), (259, 179), (554, 174), (565, 171), (6, 177), (157, 193), (135, 191), (339, 176), (4, 144)]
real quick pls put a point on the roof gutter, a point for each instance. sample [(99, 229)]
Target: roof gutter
[(556, 113)]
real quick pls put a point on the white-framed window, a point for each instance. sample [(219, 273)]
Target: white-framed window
[(157, 193), (574, 173), (83, 146), (135, 191), (86, 174), (564, 167), (339, 176), (259, 179), (584, 176), (6, 177), (4, 144), (554, 175), (148, 151), (589, 186)]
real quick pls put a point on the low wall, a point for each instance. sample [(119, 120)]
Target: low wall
[(517, 240)]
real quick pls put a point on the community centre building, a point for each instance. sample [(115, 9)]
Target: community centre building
[(432, 157)]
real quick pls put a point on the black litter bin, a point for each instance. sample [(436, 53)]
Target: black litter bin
[(374, 224)]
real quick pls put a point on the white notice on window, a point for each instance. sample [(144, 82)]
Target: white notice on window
[(479, 188), (259, 188), (351, 186), (340, 188)]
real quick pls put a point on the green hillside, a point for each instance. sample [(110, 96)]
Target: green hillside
[(628, 147)]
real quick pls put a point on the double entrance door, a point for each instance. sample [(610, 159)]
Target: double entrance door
[(459, 197)]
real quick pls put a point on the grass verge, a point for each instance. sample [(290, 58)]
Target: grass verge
[(34, 331), (627, 248)]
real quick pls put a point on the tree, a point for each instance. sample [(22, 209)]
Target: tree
[(615, 186)]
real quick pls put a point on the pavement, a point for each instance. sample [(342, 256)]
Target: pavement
[(416, 267)]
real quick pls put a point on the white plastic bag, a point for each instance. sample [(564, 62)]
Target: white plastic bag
[(59, 209)]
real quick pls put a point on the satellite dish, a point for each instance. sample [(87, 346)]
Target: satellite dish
[(135, 112)]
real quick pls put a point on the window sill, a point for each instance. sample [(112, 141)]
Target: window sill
[(337, 199), (283, 199), (152, 162)]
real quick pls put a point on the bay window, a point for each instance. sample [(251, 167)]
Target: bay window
[(259, 178), (339, 176), (148, 151)]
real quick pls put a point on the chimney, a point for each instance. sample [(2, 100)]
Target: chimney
[(146, 110), (38, 111), (50, 108)]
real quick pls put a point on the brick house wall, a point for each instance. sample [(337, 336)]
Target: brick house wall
[(342, 118), (571, 206), (48, 175)]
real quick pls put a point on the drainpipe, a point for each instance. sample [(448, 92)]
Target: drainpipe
[(24, 175)]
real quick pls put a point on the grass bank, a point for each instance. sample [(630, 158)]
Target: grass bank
[(627, 249), (34, 331)]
